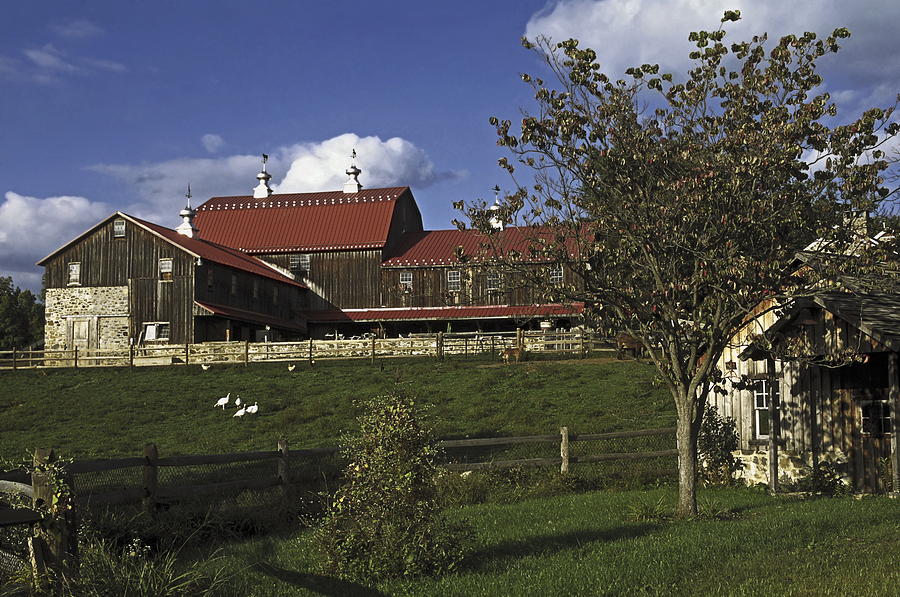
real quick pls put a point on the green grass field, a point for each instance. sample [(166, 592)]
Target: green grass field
[(88, 413), (587, 544)]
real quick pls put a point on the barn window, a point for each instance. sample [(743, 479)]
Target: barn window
[(493, 282), (165, 270), (299, 263), (256, 289), (762, 394), (233, 284), (74, 273), (555, 275), (876, 418), (118, 228), (453, 280), (406, 281), (156, 331)]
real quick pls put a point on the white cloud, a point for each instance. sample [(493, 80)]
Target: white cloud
[(320, 166), (49, 64), (76, 29), (627, 33), (211, 142), (51, 59), (32, 227)]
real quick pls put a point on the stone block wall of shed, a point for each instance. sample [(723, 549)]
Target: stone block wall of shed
[(107, 304), (791, 466)]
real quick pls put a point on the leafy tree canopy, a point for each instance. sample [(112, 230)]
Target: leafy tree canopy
[(21, 316), (681, 203)]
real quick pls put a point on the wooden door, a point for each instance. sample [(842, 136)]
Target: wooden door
[(872, 445), (81, 333)]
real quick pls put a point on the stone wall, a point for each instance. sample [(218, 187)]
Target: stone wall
[(791, 466), (105, 308)]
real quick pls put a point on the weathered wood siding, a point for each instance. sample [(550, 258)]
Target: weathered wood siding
[(430, 287), (214, 285), (338, 279)]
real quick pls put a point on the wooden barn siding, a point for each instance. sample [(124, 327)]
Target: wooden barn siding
[(339, 279), (153, 300), (407, 218), (108, 261), (289, 297), (430, 288)]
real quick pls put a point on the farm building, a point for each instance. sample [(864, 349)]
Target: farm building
[(281, 266), (127, 280), (825, 390)]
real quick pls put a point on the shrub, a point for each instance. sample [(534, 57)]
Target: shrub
[(384, 520), (715, 446), (824, 478)]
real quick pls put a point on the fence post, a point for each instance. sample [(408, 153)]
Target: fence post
[(373, 350), (246, 352), (283, 467), (187, 353), (493, 350), (310, 351), (151, 478), (520, 339), (76, 357), (564, 450), (439, 346), (14, 358), (131, 355), (56, 542), (465, 346)]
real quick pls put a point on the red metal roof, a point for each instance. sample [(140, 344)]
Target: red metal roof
[(441, 313), (439, 247), (251, 317), (300, 221), (216, 253)]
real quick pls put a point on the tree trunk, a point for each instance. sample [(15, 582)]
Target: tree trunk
[(687, 432)]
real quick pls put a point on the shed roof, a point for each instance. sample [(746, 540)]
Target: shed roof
[(284, 223), (439, 247), (251, 317)]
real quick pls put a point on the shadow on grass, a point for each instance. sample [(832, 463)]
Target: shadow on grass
[(324, 585), (547, 544)]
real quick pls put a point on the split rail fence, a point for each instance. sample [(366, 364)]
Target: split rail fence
[(244, 481), (440, 345)]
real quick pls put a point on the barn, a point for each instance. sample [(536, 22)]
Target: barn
[(272, 266), (824, 390)]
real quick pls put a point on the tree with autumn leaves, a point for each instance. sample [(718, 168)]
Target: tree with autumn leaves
[(681, 203)]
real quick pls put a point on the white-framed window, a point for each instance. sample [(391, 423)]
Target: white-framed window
[(118, 228), (406, 281), (493, 281), (256, 289), (165, 270), (233, 284), (74, 273), (876, 418), (762, 394), (454, 280), (158, 330), (299, 263), (556, 276)]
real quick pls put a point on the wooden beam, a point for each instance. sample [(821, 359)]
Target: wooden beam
[(894, 383)]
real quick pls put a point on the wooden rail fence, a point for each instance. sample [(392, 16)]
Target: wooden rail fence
[(440, 345)]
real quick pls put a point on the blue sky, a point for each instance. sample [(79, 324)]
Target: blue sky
[(109, 105)]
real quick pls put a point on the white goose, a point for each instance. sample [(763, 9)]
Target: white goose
[(223, 401)]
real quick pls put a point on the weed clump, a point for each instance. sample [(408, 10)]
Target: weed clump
[(384, 521)]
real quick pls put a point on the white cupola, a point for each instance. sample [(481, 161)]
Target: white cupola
[(352, 185), (495, 222), (187, 228), (262, 190)]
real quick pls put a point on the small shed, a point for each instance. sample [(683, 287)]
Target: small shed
[(822, 386)]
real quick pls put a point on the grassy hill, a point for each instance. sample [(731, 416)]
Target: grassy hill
[(115, 411)]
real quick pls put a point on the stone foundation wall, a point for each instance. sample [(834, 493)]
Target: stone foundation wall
[(105, 306), (791, 466)]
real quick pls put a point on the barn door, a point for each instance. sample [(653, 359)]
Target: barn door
[(873, 445), (81, 333)]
